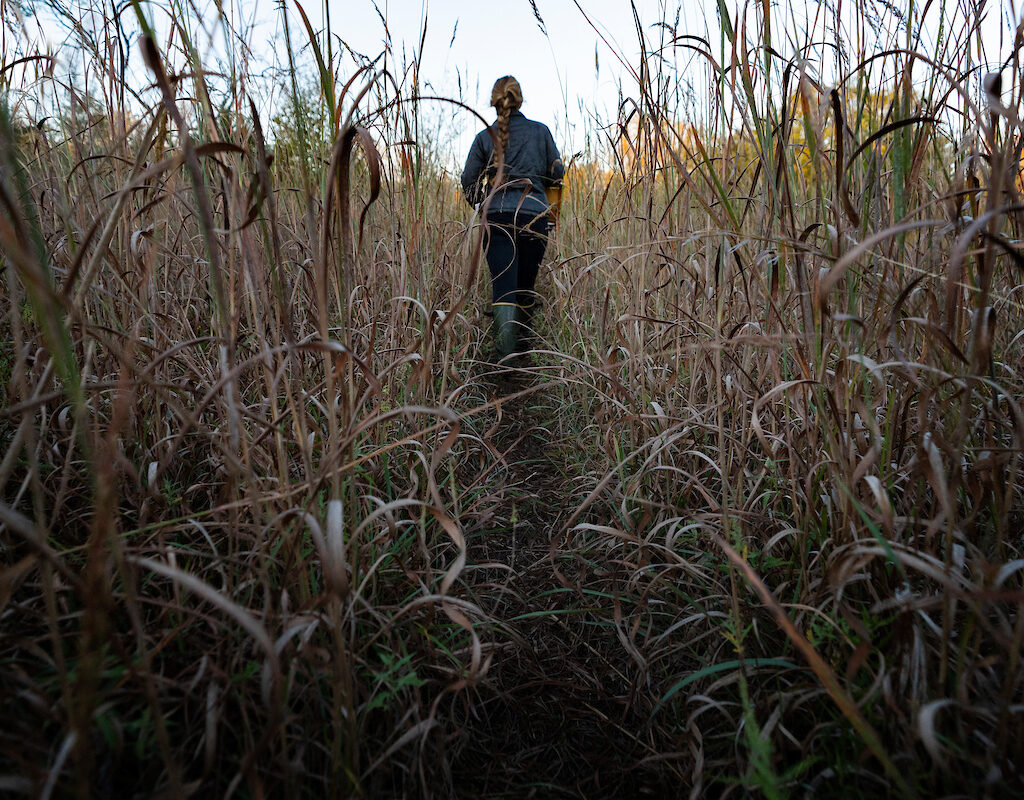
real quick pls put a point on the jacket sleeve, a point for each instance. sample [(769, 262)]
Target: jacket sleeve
[(473, 173), (556, 170)]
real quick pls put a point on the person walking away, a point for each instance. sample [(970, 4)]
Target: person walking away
[(510, 166)]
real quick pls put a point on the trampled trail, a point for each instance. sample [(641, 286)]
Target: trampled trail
[(555, 717)]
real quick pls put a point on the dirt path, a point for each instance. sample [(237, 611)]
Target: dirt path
[(555, 718)]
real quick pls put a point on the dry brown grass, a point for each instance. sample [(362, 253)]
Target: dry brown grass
[(749, 521)]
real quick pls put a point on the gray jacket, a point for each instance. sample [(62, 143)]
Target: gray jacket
[(532, 164)]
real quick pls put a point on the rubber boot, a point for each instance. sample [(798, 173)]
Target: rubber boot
[(504, 328), (524, 320)]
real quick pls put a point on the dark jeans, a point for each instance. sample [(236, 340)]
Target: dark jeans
[(515, 244)]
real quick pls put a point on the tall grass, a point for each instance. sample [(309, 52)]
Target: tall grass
[(819, 402), (254, 470)]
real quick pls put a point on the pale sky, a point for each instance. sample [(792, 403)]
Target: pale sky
[(570, 72), (571, 75)]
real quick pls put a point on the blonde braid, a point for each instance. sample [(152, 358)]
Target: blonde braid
[(506, 97)]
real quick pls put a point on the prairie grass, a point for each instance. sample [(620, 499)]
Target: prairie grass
[(747, 522)]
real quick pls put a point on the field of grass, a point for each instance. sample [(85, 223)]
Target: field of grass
[(747, 522)]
